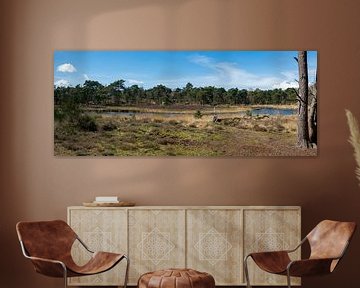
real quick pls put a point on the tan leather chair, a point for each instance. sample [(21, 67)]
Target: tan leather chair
[(328, 242), (48, 245)]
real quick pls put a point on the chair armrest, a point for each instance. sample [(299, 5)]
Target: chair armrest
[(45, 260), (298, 246), (280, 251), (309, 267), (269, 252), (48, 267), (83, 244)]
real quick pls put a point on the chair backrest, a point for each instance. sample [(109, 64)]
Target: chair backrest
[(329, 239), (46, 239)]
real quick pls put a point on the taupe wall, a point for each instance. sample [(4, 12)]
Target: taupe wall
[(36, 185)]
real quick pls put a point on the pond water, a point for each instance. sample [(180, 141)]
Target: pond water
[(273, 111)]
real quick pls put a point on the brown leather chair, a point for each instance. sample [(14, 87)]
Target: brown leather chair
[(48, 245), (328, 242)]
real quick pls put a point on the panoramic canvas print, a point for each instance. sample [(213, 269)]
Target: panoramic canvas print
[(185, 103)]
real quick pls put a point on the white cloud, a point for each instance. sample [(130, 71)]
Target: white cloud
[(286, 84), (287, 81), (229, 75), (235, 77), (66, 68), (290, 79), (62, 83), (200, 59), (291, 75), (134, 82), (86, 77)]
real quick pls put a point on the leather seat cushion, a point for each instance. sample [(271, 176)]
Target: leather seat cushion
[(176, 278)]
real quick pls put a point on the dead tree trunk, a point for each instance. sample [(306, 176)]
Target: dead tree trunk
[(303, 130), (313, 114)]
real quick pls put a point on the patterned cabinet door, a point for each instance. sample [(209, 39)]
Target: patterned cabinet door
[(101, 230), (156, 240), (214, 244), (271, 230)]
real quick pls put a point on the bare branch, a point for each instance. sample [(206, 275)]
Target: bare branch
[(297, 93), (300, 99)]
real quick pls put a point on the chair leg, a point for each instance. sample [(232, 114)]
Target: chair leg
[(65, 276), (288, 278), (127, 271), (246, 270)]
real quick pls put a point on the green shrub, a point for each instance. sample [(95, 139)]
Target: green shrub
[(166, 141), (198, 114), (248, 113), (279, 127), (82, 153), (171, 153), (173, 122), (231, 121), (108, 153), (59, 114), (87, 123), (259, 128), (110, 126)]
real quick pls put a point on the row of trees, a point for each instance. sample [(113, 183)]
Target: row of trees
[(116, 93)]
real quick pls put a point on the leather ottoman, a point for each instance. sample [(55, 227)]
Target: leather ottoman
[(176, 278)]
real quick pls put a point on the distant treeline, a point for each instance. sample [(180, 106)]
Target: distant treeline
[(116, 93)]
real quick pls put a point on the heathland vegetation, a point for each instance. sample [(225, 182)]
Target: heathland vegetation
[(115, 120)]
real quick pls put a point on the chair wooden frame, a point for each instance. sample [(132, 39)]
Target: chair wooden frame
[(315, 265), (66, 271)]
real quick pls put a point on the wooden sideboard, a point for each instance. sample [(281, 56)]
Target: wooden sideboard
[(212, 239)]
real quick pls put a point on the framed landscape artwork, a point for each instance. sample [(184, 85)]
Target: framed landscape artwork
[(185, 103)]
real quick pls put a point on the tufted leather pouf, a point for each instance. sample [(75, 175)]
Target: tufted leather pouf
[(176, 278)]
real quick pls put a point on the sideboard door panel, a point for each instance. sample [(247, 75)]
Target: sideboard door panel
[(214, 244), (270, 230), (101, 230), (156, 240)]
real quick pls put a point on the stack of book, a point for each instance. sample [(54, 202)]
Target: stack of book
[(106, 199)]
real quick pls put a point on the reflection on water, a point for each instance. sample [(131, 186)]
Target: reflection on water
[(273, 111)]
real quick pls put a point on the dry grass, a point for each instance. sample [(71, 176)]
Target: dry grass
[(354, 140), (285, 124), (182, 135), (177, 109)]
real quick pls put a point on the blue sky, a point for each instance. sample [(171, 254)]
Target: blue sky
[(228, 69)]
